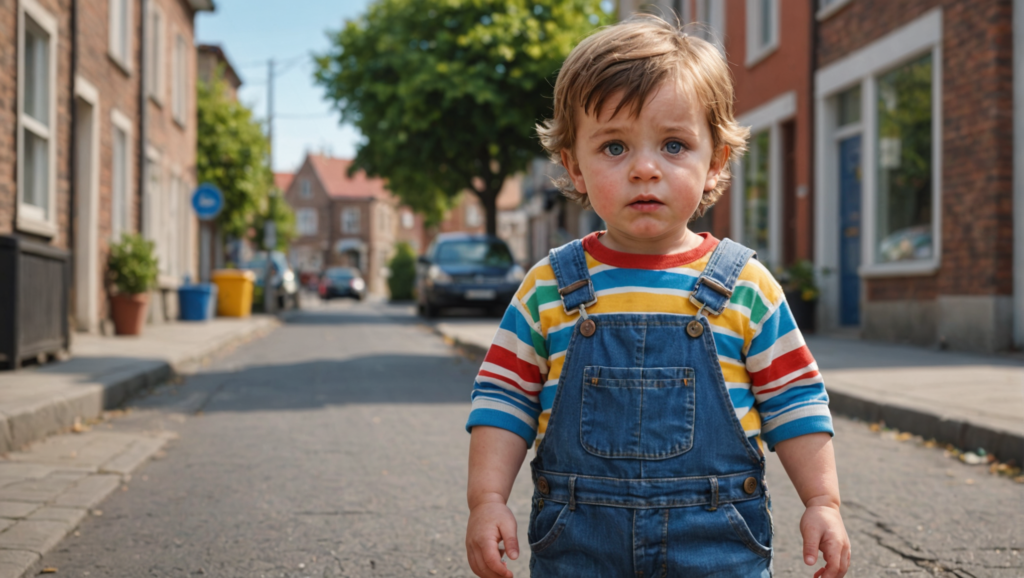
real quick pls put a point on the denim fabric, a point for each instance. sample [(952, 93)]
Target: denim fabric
[(644, 465)]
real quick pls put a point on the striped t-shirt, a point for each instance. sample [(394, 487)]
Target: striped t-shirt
[(772, 378)]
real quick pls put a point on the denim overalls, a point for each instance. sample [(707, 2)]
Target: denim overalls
[(644, 469)]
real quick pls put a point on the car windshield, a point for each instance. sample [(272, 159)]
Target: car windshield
[(340, 274), (490, 253)]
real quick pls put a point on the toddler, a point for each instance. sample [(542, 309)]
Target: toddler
[(650, 364)]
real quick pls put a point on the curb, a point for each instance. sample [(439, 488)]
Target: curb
[(57, 414), (963, 434), (948, 430)]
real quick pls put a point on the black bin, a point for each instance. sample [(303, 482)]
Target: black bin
[(34, 283)]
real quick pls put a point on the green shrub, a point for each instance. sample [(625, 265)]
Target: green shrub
[(132, 264), (403, 273)]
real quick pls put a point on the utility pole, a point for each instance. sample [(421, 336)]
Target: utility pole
[(270, 111), (269, 289)]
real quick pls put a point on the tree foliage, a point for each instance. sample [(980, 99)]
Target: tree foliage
[(278, 211), (447, 92), (232, 155)]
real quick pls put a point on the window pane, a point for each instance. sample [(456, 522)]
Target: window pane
[(848, 107), (904, 220), (37, 77), (119, 210), (766, 22), (37, 172), (755, 193)]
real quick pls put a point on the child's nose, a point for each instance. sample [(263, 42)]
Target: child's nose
[(644, 168)]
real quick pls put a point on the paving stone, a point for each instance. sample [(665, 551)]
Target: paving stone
[(19, 470), (72, 516), (88, 492), (34, 535), (134, 456), (14, 563), (17, 509)]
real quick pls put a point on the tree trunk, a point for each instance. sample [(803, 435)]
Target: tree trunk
[(489, 199)]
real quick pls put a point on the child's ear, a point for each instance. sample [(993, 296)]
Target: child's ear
[(715, 170), (573, 168)]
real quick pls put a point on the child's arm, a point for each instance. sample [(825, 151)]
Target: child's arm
[(811, 466), (495, 456)]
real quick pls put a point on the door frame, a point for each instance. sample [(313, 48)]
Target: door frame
[(87, 200)]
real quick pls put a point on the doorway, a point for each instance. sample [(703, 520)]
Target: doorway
[(849, 230)]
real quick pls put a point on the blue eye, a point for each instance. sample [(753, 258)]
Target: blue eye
[(674, 147), (615, 149)]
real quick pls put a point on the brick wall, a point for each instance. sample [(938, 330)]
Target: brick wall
[(8, 113), (977, 137)]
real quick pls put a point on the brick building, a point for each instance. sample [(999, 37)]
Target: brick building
[(341, 220), (100, 98), (914, 151)]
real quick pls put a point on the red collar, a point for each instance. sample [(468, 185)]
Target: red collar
[(592, 245)]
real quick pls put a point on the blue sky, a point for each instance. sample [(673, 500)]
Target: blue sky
[(253, 31)]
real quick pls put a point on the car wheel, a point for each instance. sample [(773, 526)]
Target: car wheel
[(430, 311)]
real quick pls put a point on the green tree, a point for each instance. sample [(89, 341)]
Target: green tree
[(278, 211), (403, 273), (447, 92), (232, 155)]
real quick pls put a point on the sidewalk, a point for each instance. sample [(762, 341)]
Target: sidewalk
[(104, 371), (971, 401)]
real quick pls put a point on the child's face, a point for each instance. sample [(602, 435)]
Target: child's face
[(645, 175)]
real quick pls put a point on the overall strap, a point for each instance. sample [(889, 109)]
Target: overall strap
[(715, 285), (569, 262)]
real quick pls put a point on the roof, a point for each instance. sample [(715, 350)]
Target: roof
[(283, 180), (202, 5), (333, 175), (218, 54)]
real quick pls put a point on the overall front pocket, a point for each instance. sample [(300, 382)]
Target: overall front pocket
[(635, 412)]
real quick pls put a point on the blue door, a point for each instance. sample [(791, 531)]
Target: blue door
[(849, 231)]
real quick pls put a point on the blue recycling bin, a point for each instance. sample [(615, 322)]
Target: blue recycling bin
[(197, 302)]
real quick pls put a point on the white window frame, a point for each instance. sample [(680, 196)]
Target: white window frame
[(179, 80), (121, 122), (33, 219), (307, 221), (120, 20), (156, 51), (756, 52), (769, 116), (348, 227), (918, 38), (828, 9), (712, 15), (408, 219)]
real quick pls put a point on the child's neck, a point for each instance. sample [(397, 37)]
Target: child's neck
[(668, 245)]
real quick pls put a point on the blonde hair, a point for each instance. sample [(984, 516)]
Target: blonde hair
[(634, 58)]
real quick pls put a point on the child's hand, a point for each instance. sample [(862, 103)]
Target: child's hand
[(822, 528), (490, 523)]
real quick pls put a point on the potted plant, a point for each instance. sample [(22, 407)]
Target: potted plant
[(132, 267), (801, 292)]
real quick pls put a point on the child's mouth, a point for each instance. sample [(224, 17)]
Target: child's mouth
[(646, 205)]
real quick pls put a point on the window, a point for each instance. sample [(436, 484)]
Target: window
[(756, 182), (155, 54), (711, 13), (305, 189), (827, 8), (383, 220), (121, 33), (37, 119), (306, 221), (904, 157), (120, 213), (350, 220), (408, 219), (473, 217), (762, 29), (848, 107), (682, 10), (179, 83)]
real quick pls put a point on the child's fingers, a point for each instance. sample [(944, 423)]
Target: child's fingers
[(834, 555), (492, 560), (507, 528), (812, 538)]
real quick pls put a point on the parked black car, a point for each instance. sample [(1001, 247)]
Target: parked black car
[(464, 270), (342, 282)]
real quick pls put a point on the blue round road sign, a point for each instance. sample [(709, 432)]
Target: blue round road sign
[(207, 201)]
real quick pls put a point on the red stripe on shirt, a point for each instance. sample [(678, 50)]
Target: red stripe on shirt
[(502, 357), (782, 366), (808, 375)]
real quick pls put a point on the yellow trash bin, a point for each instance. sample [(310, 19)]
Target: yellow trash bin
[(234, 291)]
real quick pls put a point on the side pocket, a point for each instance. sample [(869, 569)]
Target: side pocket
[(742, 530), (546, 525)]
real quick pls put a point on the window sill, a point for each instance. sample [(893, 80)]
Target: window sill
[(754, 58), (156, 100), (125, 67), (908, 269), (37, 227), (826, 12), (180, 122)]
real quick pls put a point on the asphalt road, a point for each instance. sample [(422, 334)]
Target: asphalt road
[(335, 447)]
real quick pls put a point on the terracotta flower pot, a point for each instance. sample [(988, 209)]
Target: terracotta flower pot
[(129, 313)]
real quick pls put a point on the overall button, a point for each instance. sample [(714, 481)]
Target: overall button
[(540, 504), (542, 485), (694, 328), (588, 327), (750, 485)]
